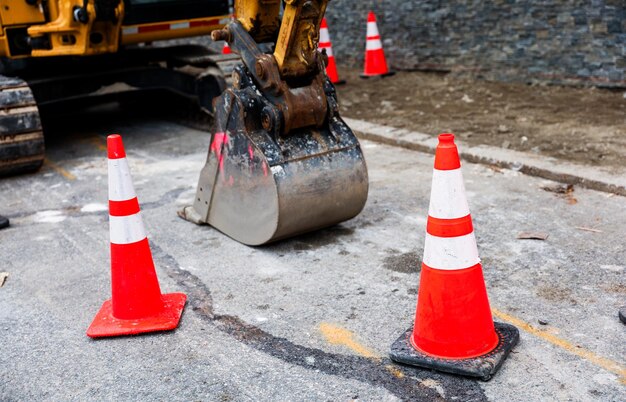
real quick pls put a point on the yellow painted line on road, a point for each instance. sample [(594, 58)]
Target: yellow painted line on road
[(59, 169), (337, 335), (588, 355)]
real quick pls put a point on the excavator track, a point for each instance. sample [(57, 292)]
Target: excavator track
[(226, 63), (21, 135)]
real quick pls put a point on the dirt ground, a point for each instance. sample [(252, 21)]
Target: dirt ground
[(585, 125)]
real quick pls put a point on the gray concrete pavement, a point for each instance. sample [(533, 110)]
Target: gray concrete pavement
[(311, 318)]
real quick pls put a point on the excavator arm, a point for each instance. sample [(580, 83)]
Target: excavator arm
[(281, 160), (296, 36), (293, 76)]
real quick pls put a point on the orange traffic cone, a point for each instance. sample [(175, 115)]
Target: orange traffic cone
[(136, 303), (331, 67), (375, 63), (454, 331), (226, 48)]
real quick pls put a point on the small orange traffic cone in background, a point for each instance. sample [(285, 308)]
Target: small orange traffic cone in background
[(226, 48), (136, 303), (375, 62), (453, 331), (331, 68)]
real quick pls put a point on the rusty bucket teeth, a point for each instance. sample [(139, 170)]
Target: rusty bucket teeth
[(258, 187)]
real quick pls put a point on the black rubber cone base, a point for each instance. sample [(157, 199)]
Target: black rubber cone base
[(387, 74), (622, 314), (4, 222), (483, 367)]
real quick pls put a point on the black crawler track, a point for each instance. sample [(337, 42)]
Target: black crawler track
[(21, 135), (189, 75)]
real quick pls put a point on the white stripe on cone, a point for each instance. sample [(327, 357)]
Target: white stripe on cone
[(450, 253), (372, 29), (130, 30), (120, 183), (324, 36), (123, 229), (324, 42), (447, 196), (126, 229), (373, 44)]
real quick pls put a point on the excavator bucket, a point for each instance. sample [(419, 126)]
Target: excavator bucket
[(258, 188), (281, 161)]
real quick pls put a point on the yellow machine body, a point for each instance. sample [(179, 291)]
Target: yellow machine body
[(60, 33), (61, 55)]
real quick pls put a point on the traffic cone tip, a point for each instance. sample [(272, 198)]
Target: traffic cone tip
[(115, 147), (446, 153), (446, 137)]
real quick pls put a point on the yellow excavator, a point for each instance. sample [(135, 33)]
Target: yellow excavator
[(56, 55), (281, 161)]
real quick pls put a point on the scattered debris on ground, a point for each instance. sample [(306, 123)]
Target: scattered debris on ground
[(533, 235), (3, 278), (588, 229), (565, 191), (559, 188)]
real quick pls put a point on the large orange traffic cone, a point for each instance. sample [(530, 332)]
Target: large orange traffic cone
[(375, 62), (454, 330), (136, 303), (331, 67)]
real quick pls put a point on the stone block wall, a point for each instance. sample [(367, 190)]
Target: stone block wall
[(568, 41)]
